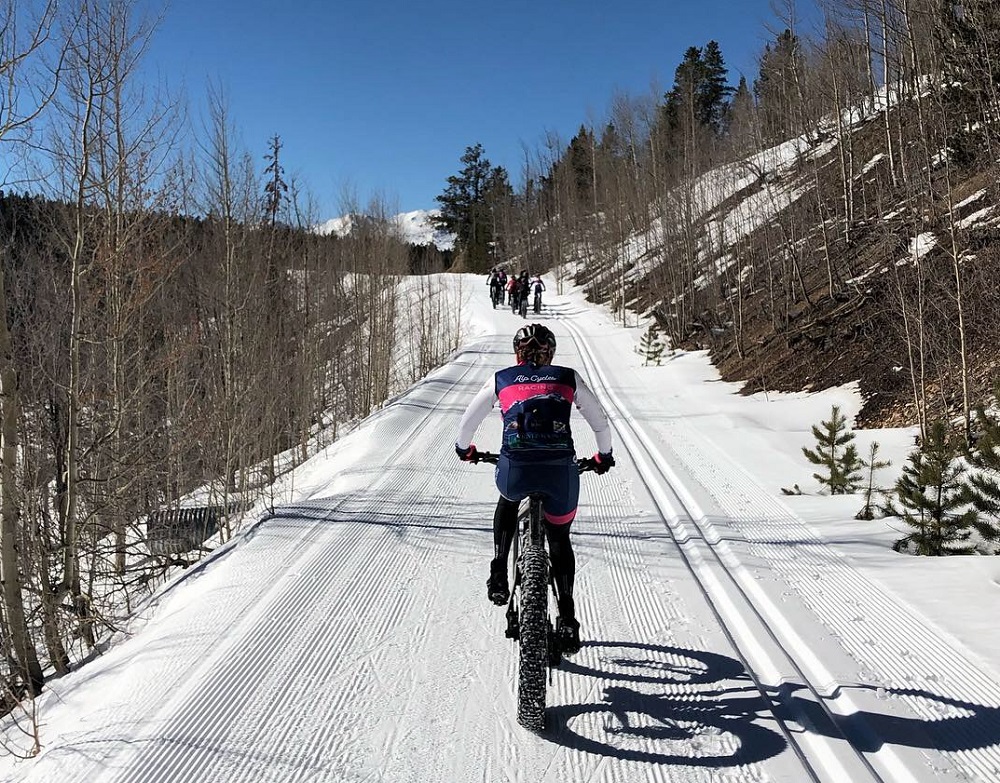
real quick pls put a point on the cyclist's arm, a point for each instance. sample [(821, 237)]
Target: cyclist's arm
[(594, 413), (478, 410)]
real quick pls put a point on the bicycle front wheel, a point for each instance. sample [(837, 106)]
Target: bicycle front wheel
[(534, 638)]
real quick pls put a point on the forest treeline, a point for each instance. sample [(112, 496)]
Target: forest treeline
[(172, 324), (826, 220)]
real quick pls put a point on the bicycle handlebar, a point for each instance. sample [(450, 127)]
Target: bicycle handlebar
[(583, 464)]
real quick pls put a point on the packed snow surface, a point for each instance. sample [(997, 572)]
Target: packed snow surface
[(731, 632)]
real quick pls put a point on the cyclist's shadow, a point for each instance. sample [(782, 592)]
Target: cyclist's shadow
[(708, 716), (698, 708)]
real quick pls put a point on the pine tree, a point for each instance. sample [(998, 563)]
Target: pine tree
[(580, 160), (275, 187), (740, 117), (871, 465), (933, 500), (982, 485), (781, 65), (713, 90), (467, 206), (651, 346), (835, 452), (686, 98)]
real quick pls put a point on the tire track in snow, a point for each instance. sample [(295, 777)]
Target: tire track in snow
[(253, 678), (271, 743), (233, 621), (653, 675), (817, 756), (898, 653)]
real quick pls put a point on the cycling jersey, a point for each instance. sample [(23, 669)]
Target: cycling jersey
[(536, 403)]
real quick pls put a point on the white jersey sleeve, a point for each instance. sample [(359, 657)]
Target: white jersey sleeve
[(592, 411), (478, 410)]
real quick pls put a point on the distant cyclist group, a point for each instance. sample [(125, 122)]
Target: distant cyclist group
[(518, 289)]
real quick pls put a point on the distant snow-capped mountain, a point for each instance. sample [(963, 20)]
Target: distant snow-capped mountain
[(415, 228)]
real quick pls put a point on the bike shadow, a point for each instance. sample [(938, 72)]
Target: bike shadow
[(668, 704)]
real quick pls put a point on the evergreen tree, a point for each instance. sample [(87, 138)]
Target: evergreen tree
[(713, 89), (275, 187), (982, 486), (740, 117), (682, 100), (468, 206), (781, 66), (611, 145), (933, 500), (651, 346), (700, 91), (694, 112), (580, 161), (835, 452), (871, 464)]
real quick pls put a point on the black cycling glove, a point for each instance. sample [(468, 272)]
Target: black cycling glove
[(603, 462), (467, 455)]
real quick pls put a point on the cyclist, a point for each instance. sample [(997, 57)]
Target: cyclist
[(537, 286), (512, 289), (537, 455), (522, 288), (496, 282)]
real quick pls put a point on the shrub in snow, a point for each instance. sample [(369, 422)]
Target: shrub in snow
[(837, 454)]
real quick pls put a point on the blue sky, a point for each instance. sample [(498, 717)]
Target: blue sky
[(375, 97)]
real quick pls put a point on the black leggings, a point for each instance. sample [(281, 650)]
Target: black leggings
[(560, 548)]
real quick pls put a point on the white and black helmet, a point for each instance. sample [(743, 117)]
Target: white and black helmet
[(535, 343)]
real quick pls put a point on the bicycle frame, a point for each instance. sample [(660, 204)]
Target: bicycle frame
[(532, 533), (528, 609)]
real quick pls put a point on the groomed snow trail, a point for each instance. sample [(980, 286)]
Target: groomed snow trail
[(347, 636)]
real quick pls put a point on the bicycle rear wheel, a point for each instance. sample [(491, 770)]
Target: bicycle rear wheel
[(534, 637)]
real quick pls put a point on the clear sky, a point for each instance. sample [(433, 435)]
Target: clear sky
[(381, 97)]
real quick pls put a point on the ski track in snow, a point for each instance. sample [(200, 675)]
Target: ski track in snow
[(365, 650), (898, 656)]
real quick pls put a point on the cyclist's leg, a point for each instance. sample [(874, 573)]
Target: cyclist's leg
[(504, 529), (508, 479), (563, 566), (560, 510)]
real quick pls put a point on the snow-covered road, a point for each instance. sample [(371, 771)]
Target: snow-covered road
[(347, 637)]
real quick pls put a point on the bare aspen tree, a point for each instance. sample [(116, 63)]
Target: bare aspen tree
[(89, 81), (887, 54), (231, 203), (131, 140), (27, 87)]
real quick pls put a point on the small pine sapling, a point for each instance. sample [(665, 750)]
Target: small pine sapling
[(835, 452), (982, 485), (651, 346), (933, 499), (871, 465)]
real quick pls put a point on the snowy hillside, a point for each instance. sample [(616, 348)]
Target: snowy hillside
[(414, 228), (730, 633)]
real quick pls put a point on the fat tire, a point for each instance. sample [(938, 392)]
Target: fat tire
[(534, 643)]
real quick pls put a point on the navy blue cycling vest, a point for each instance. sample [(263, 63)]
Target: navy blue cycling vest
[(536, 403)]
